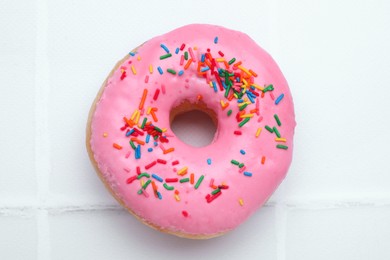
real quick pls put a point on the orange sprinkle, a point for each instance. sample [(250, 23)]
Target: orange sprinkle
[(117, 146), (241, 202), (129, 122), (177, 198), (192, 178), (154, 189), (105, 134), (263, 160), (135, 139), (183, 171), (141, 104), (177, 192), (188, 64), (254, 74), (199, 97), (154, 116), (169, 150)]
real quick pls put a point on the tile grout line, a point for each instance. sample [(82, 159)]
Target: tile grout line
[(42, 147)]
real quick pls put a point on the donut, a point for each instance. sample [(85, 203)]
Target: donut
[(174, 187)]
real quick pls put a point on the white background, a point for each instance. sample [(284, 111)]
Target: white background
[(335, 202)]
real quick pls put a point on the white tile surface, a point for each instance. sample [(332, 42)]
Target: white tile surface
[(350, 233), (334, 204), (117, 235)]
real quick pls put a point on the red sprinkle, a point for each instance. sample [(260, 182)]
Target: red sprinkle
[(221, 53), (211, 198), (156, 94), (175, 162), (150, 165), (171, 179), (237, 132), (131, 179), (182, 46), (123, 75), (138, 170), (185, 213), (263, 160), (161, 161)]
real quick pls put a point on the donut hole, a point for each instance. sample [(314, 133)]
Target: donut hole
[(194, 124)]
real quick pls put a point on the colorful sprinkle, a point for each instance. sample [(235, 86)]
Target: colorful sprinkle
[(209, 161), (165, 56), (241, 202), (281, 146), (278, 99), (155, 176), (249, 174), (166, 186), (117, 146), (258, 132), (199, 181), (164, 47), (277, 120), (216, 40), (160, 70), (242, 152)]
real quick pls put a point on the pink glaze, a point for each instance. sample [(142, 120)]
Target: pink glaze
[(193, 214)]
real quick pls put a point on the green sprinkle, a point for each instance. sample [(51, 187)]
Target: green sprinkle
[(243, 122), (171, 71), (241, 165), (281, 146), (146, 184), (132, 145), (215, 191), (184, 180), (232, 61), (143, 123), (158, 129), (144, 174), (229, 112), (277, 120), (186, 55), (165, 56), (155, 137), (234, 162), (139, 191), (199, 181), (276, 132), (269, 129), (243, 106), (166, 186), (268, 88), (227, 91)]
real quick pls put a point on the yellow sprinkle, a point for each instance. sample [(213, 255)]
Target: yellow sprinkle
[(148, 110), (241, 104), (241, 202), (244, 70), (222, 103), (257, 86), (133, 70), (164, 130), (235, 95), (177, 197), (245, 82), (281, 140), (258, 132), (142, 182), (182, 171), (220, 59), (195, 48), (247, 115), (137, 118), (139, 58), (150, 69), (105, 134), (134, 115), (122, 70)]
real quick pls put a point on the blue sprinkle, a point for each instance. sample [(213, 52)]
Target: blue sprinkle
[(181, 72), (177, 50), (130, 132), (204, 69), (240, 100), (209, 161), (147, 138), (242, 151), (238, 79), (160, 70), (279, 99), (216, 40), (132, 53), (253, 87), (164, 47), (157, 177), (203, 57), (159, 195), (150, 149), (249, 174), (155, 144), (224, 85), (138, 152), (220, 70), (215, 86), (250, 97)]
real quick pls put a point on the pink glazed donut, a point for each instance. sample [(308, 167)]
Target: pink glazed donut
[(193, 192)]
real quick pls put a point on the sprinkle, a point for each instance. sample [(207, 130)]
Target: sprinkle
[(258, 132), (160, 70), (192, 54), (188, 64), (150, 165), (131, 179), (185, 213), (237, 132), (232, 61), (234, 162), (138, 169), (144, 174), (150, 149), (229, 112), (181, 72), (156, 93), (277, 120), (192, 178), (216, 191), (184, 180), (159, 195), (268, 88), (209, 161), (164, 47), (165, 56), (175, 162), (276, 132), (183, 171), (173, 72), (241, 202), (242, 152), (177, 50), (186, 55), (262, 159), (157, 177), (133, 70), (244, 122), (151, 69), (216, 40), (169, 150), (105, 134), (146, 184), (147, 139), (281, 146), (141, 104), (128, 154), (171, 179), (278, 99), (249, 174), (280, 140), (177, 198), (132, 53), (161, 161), (269, 129), (211, 198), (117, 146), (241, 165), (199, 181), (166, 186), (143, 123)]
